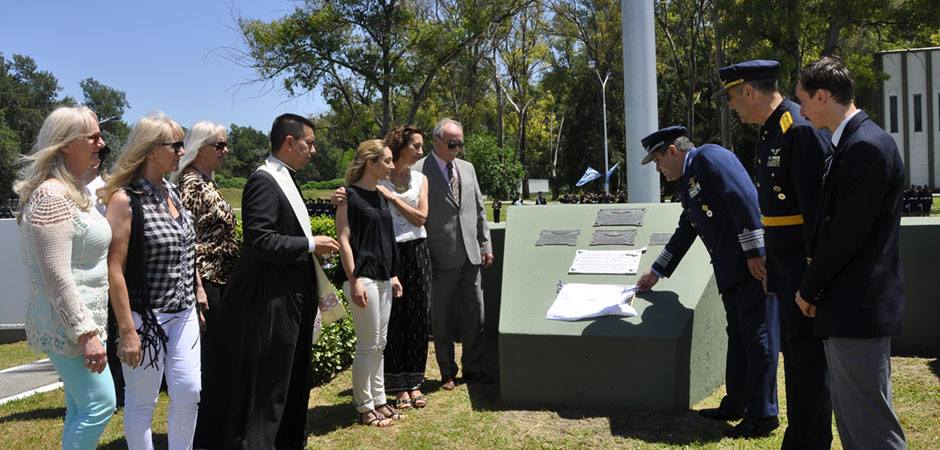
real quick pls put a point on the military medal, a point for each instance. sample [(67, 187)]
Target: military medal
[(782, 196), (777, 189), (694, 187)]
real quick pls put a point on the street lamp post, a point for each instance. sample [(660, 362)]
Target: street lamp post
[(604, 111)]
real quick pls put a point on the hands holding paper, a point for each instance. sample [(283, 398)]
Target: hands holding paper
[(647, 281)]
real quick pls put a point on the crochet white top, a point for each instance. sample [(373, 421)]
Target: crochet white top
[(65, 252)]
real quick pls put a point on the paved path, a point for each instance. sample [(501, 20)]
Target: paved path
[(22, 381)]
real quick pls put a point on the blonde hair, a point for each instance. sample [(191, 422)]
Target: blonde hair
[(201, 134), (61, 127), (370, 150), (148, 133)]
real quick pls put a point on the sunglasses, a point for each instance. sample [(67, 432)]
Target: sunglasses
[(219, 145), (454, 144), (176, 145)]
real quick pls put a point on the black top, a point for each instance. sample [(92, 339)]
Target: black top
[(371, 234)]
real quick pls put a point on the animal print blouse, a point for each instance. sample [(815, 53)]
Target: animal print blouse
[(216, 248)]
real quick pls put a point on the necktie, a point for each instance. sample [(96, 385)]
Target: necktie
[(454, 182)]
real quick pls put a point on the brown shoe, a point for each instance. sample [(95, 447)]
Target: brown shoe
[(448, 384)]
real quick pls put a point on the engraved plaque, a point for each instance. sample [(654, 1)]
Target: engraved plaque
[(622, 216), (614, 237), (558, 237), (660, 238)]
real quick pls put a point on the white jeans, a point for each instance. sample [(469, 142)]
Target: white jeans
[(183, 380), (371, 324)]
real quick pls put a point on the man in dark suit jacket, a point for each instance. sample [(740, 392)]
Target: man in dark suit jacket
[(853, 285), (260, 363), (791, 157)]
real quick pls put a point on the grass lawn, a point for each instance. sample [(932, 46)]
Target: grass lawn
[(471, 417), (16, 354)]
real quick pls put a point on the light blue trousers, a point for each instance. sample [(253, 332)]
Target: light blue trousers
[(89, 401)]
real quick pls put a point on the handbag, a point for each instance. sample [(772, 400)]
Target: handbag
[(329, 307)]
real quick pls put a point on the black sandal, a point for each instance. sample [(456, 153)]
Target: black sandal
[(375, 419), (419, 401)]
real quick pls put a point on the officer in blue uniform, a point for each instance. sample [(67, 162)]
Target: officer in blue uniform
[(720, 206), (791, 157)]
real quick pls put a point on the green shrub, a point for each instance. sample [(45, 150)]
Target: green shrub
[(333, 351), (324, 185)]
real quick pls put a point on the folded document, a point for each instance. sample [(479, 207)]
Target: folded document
[(577, 301)]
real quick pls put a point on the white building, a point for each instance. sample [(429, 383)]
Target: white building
[(909, 109)]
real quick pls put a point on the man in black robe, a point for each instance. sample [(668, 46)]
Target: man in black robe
[(257, 393)]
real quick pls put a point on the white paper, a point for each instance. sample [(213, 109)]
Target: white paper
[(621, 262), (577, 301)]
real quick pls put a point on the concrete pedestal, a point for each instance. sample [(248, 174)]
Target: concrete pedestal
[(670, 356)]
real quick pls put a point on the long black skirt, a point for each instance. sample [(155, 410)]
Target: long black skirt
[(406, 347)]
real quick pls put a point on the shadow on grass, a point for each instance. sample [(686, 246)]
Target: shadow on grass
[(159, 442), (935, 367), (325, 419), (38, 414)]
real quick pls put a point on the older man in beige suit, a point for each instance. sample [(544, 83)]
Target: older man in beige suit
[(459, 240)]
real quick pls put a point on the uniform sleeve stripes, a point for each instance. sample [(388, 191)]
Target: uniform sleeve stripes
[(664, 259), (751, 240)]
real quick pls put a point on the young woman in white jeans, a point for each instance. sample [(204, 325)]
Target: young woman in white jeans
[(370, 263)]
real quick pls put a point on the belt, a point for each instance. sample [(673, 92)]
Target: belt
[(782, 221)]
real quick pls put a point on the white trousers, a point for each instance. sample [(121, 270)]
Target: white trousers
[(371, 324), (183, 380)]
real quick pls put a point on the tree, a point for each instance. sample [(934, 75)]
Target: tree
[(248, 148), (27, 95), (369, 53), (497, 172), (109, 104)]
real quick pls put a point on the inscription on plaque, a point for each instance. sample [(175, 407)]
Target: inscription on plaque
[(614, 237), (621, 216), (558, 237)]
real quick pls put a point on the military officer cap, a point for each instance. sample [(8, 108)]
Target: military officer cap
[(658, 139), (737, 74)]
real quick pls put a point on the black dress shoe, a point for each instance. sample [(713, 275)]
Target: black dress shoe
[(752, 427), (720, 414)]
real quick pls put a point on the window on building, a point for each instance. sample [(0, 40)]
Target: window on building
[(893, 113), (918, 115)]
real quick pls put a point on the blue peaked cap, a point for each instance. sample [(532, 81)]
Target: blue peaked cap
[(740, 73), (657, 139)]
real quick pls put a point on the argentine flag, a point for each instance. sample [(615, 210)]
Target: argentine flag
[(589, 175)]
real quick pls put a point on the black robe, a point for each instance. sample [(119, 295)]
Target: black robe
[(257, 391)]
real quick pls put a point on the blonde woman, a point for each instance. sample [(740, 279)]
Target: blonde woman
[(154, 284), (370, 263), (64, 246)]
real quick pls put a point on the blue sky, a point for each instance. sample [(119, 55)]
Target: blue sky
[(160, 53)]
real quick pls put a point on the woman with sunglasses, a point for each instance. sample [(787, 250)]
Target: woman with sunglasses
[(216, 247), (154, 283), (64, 246)]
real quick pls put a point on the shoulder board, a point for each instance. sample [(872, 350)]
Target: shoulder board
[(786, 120)]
